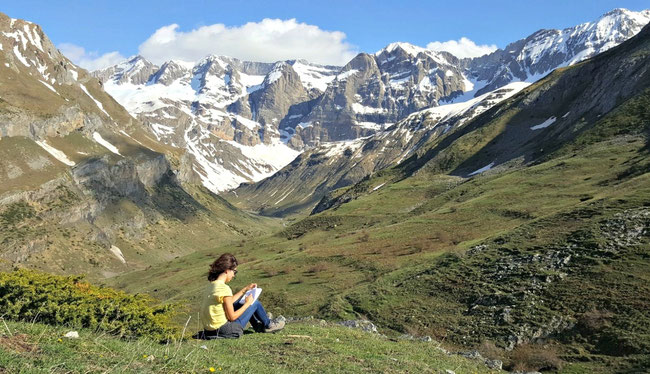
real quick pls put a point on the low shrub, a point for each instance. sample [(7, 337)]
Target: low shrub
[(530, 357), (28, 295)]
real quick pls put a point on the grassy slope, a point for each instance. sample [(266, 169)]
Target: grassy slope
[(301, 347), (348, 261), (368, 236)]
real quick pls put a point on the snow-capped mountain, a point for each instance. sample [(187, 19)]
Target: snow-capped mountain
[(225, 112), (220, 108), (337, 164), (333, 165), (373, 91), (531, 58)]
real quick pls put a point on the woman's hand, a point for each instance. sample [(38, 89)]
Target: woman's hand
[(250, 287), (249, 300)]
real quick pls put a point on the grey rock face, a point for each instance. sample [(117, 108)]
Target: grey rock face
[(374, 90), (280, 90)]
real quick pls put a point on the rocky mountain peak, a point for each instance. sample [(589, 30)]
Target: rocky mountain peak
[(282, 88), (43, 93), (280, 69), (360, 62), (170, 71), (27, 48), (401, 48), (134, 70)]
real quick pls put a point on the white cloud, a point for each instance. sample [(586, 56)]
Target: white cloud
[(462, 48), (89, 60), (269, 40)]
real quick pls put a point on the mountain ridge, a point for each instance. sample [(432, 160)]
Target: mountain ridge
[(366, 96)]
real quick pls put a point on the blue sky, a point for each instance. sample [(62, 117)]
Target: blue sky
[(121, 27)]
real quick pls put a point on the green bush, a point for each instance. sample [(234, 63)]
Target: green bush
[(27, 295)]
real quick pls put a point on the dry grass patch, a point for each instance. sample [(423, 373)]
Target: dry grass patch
[(18, 343), (530, 357)]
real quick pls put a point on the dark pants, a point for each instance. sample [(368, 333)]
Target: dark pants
[(255, 314), (228, 330)]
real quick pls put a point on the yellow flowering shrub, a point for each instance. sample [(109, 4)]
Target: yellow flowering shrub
[(27, 295)]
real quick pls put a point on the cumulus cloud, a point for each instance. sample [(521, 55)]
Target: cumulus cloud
[(269, 40), (462, 47), (89, 60)]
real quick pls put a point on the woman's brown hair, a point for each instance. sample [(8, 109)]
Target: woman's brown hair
[(225, 262)]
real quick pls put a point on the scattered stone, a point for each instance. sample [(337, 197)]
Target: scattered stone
[(71, 335), (494, 364), (474, 355), (449, 371), (506, 316), (204, 347), (444, 351), (150, 358), (362, 324), (476, 249)]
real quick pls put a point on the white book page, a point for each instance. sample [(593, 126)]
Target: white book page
[(255, 292)]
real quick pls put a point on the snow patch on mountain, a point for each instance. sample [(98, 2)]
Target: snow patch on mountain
[(544, 124), (409, 48), (346, 74), (49, 87), (483, 169), (362, 109), (268, 158), (59, 155), (275, 74), (20, 57), (99, 104), (217, 174), (99, 139), (446, 111), (337, 148), (315, 76)]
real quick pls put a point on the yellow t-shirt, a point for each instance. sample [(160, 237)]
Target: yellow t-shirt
[(212, 313)]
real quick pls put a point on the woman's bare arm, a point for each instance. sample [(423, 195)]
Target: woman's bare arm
[(241, 292), (231, 313)]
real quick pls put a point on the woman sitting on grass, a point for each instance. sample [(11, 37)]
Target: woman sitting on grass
[(221, 314)]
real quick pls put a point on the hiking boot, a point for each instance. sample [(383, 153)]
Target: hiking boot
[(275, 326)]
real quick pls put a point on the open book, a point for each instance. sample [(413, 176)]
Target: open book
[(255, 292)]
